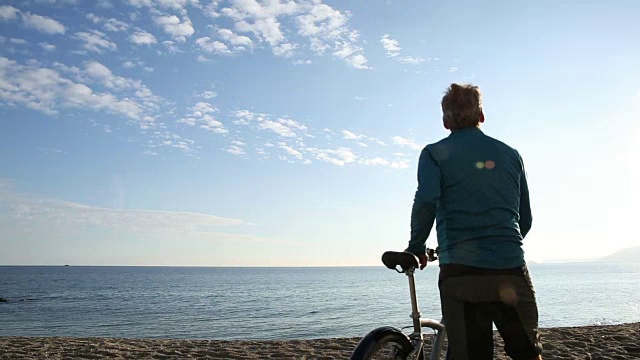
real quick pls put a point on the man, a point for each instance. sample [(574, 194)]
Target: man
[(475, 188)]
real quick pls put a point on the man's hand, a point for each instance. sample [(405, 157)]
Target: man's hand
[(423, 260)]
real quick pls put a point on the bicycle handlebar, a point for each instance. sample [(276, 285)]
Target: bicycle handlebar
[(432, 254)]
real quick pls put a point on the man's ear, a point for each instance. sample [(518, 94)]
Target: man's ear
[(445, 124), (481, 116)]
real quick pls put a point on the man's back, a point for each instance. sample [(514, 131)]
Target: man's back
[(483, 209)]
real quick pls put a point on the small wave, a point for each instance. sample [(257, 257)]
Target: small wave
[(605, 322), (5, 300)]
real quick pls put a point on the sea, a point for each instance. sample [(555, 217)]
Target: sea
[(276, 303)]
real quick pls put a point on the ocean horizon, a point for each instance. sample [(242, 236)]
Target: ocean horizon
[(229, 303)]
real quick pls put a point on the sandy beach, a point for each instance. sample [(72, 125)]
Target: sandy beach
[(592, 342)]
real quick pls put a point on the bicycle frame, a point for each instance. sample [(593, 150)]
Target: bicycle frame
[(410, 346), (417, 336)]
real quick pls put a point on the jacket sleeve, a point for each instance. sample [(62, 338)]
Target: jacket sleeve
[(425, 202), (525, 206)]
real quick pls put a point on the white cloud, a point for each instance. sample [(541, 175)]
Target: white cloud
[(392, 46), (378, 141), (277, 128), (69, 2), (56, 214), (340, 156), (351, 54), (207, 94), (47, 46), (115, 25), (398, 140), (324, 27), (378, 161), (302, 62), (131, 64), (358, 61), (291, 151), (202, 108), (318, 46), (95, 41), (179, 30), (171, 47), (235, 150), (168, 139), (400, 164), (286, 50), (43, 24), (268, 29), (245, 117), (327, 27), (322, 21), (18, 41), (453, 69), (177, 5), (94, 18), (141, 37), (238, 41), (202, 58), (46, 90), (234, 43), (212, 46), (201, 115), (104, 4), (8, 13), (292, 136), (412, 60), (350, 135), (97, 72), (359, 98), (51, 151), (211, 10)]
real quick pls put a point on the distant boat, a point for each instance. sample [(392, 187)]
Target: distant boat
[(66, 265)]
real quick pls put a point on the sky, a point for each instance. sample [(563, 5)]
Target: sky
[(287, 133)]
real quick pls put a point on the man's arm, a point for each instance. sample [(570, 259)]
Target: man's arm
[(525, 206), (423, 213)]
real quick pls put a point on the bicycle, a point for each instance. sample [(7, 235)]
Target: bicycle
[(387, 342)]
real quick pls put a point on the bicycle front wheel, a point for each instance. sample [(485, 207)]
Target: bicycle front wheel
[(388, 344)]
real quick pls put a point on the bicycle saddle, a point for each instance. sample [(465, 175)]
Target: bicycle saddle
[(406, 260)]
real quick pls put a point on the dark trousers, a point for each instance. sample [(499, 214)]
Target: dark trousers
[(473, 299)]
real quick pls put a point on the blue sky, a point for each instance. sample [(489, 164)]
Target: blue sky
[(286, 133)]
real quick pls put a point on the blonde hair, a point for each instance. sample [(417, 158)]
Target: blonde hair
[(462, 106)]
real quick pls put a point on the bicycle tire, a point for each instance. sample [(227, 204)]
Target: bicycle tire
[(383, 344)]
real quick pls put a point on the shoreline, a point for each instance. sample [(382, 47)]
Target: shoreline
[(621, 341)]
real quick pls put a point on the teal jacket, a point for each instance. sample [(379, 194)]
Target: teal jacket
[(475, 188)]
